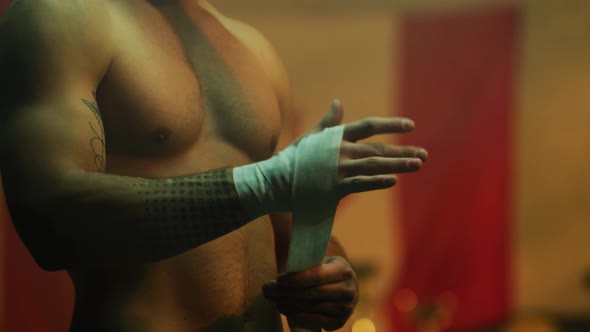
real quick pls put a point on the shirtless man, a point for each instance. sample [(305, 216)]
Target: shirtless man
[(139, 200)]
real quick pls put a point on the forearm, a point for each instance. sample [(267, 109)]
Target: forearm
[(94, 218), (97, 219)]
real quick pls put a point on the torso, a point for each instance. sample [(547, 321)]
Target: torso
[(186, 93)]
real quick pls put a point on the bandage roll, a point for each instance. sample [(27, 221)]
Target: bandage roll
[(301, 179), (314, 198)]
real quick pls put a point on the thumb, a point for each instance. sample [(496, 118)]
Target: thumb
[(334, 116), (331, 119)]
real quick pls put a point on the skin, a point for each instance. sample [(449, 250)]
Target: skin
[(109, 95)]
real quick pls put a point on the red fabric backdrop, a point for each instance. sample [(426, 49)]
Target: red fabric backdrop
[(457, 82), (34, 300)]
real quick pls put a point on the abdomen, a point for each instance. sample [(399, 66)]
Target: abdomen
[(213, 285)]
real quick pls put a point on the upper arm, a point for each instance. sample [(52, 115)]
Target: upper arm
[(53, 55)]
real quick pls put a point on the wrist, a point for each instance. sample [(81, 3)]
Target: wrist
[(265, 187)]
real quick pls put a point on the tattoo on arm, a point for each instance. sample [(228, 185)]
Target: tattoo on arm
[(170, 216), (97, 143), (201, 208)]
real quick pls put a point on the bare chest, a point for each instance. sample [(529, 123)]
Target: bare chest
[(182, 82)]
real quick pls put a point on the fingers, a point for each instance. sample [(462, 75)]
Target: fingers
[(323, 308), (321, 297), (378, 166), (333, 270), (342, 291), (367, 167), (360, 184), (374, 126), (365, 150), (312, 321), (329, 316)]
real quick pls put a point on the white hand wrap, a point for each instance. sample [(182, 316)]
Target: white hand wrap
[(301, 179), (265, 187)]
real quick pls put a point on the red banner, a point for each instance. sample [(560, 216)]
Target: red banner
[(457, 83)]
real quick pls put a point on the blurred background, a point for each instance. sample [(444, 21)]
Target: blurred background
[(494, 233)]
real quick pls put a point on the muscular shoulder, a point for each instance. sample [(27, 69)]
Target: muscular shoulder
[(73, 16), (55, 34)]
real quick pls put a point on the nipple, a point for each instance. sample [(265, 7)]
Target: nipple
[(162, 135)]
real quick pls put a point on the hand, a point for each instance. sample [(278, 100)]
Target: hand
[(369, 166), (321, 297)]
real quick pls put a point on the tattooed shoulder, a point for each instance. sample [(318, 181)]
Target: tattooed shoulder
[(97, 141), (92, 105)]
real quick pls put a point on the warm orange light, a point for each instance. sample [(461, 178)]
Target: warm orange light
[(363, 325)]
